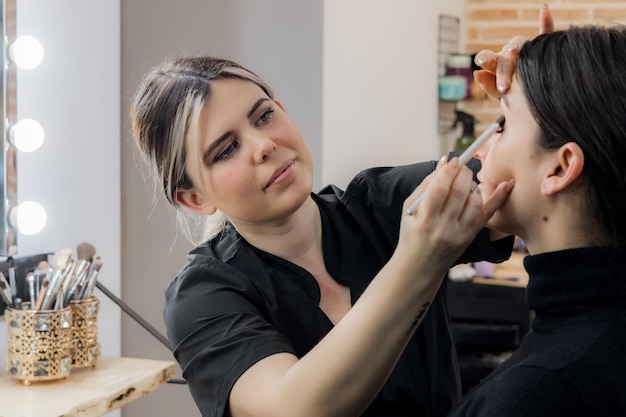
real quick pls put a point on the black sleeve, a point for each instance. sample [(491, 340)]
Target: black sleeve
[(375, 198), (214, 320)]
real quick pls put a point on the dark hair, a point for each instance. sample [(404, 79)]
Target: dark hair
[(575, 83)]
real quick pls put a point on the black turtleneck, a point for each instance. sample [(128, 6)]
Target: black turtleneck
[(573, 361)]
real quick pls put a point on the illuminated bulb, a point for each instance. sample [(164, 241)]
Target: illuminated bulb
[(26, 52), (27, 135), (29, 217)]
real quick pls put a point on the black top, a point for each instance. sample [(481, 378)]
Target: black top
[(573, 361), (234, 304)]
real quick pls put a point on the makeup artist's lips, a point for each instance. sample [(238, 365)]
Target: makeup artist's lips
[(281, 174)]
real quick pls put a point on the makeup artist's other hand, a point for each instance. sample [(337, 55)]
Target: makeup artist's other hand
[(448, 219), (498, 68)]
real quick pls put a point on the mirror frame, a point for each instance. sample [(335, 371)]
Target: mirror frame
[(8, 152)]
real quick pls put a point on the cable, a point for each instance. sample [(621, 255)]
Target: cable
[(142, 322)]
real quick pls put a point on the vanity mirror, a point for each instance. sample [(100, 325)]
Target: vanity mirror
[(8, 168), (24, 53)]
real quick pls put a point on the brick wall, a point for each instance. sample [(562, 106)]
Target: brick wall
[(489, 24)]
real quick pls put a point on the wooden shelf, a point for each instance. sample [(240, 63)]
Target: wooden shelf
[(87, 392)]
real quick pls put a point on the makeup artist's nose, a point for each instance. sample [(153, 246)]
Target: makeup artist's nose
[(264, 148)]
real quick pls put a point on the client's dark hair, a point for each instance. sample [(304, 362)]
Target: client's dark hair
[(575, 84)]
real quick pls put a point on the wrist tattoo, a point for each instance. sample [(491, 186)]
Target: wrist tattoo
[(418, 317)]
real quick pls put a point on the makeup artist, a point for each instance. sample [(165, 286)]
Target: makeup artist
[(297, 303)]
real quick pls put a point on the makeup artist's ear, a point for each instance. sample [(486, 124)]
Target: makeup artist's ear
[(194, 202), (566, 167)]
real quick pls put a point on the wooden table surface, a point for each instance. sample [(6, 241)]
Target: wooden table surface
[(87, 392)]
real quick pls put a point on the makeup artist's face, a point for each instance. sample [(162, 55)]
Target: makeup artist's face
[(514, 153), (255, 166)]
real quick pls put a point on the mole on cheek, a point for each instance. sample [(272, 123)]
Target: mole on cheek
[(544, 218)]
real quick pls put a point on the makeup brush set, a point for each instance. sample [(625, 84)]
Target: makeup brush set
[(56, 329), (55, 281)]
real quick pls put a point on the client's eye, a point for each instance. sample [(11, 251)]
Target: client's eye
[(501, 128)]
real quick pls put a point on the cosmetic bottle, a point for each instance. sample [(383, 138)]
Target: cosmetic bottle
[(461, 65), (468, 135)]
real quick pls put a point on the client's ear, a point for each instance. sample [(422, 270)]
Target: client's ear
[(566, 168), (194, 202)]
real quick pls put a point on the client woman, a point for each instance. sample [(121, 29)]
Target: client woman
[(564, 142)]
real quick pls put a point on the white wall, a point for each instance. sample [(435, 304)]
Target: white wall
[(75, 175), (380, 84)]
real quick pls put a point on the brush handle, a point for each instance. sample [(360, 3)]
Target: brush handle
[(87, 290), (5, 291), (30, 281), (465, 156), (42, 294), (78, 282), (55, 284)]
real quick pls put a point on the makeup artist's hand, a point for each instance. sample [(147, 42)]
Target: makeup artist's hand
[(498, 68), (448, 219)]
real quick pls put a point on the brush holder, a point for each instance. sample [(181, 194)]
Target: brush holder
[(39, 344), (85, 349)]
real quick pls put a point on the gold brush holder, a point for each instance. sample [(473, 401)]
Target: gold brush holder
[(39, 344), (85, 349)]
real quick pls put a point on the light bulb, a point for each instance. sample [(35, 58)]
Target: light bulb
[(27, 135), (26, 52), (29, 217)]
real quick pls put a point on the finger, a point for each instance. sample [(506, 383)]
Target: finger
[(421, 188), (487, 60), (438, 188), (499, 196), (487, 82), (507, 62), (546, 22), (473, 208), (458, 195)]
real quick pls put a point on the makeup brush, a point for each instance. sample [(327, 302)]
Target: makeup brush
[(5, 291), (90, 284), (30, 282), (85, 252), (41, 272), (12, 280), (59, 273), (42, 293), (467, 154)]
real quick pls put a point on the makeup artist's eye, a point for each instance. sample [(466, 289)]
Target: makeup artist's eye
[(227, 152), (265, 117)]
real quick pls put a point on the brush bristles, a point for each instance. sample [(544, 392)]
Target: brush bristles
[(85, 251), (43, 266)]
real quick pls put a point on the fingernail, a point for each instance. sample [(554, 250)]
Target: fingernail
[(480, 60), (510, 184), (442, 160), (502, 87), (512, 47)]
